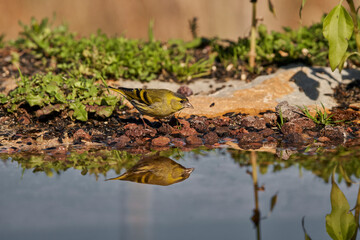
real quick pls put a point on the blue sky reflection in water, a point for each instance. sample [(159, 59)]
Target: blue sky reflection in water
[(215, 202)]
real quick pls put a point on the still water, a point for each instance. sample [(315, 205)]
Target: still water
[(216, 201)]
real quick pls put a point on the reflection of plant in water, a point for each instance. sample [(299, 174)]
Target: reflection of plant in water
[(92, 162), (341, 224), (264, 160), (321, 164), (256, 217)]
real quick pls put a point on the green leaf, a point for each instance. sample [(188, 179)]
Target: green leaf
[(34, 100), (337, 29), (344, 58), (111, 100), (340, 223), (52, 88), (105, 111), (80, 112), (3, 98)]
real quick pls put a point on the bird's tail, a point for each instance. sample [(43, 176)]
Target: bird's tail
[(119, 90), (137, 94), (116, 178)]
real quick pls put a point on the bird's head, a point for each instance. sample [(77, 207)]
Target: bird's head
[(179, 102)]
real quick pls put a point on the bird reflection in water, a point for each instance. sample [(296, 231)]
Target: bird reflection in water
[(156, 170)]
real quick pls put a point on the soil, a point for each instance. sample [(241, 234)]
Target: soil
[(345, 94), (28, 133)]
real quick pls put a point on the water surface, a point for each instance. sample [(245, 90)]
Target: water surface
[(215, 202)]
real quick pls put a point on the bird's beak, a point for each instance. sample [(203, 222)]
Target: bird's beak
[(187, 172), (188, 105)]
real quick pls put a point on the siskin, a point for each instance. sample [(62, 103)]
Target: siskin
[(158, 103), (156, 170)]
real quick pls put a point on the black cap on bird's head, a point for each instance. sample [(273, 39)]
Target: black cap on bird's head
[(184, 101)]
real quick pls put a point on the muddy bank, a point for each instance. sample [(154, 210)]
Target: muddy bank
[(285, 127)]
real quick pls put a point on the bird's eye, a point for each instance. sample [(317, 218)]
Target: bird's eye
[(182, 101)]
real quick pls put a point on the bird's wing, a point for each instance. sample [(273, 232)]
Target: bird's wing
[(143, 96)]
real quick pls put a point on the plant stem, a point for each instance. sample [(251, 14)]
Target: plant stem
[(252, 53), (256, 218), (355, 20)]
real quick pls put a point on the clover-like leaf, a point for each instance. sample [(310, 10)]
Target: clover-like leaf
[(80, 112), (34, 100), (105, 111)]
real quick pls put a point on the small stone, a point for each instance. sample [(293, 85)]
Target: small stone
[(238, 131), (253, 122), (150, 132), (249, 137), (223, 121), (140, 141), (305, 123), (323, 139), (122, 141), (270, 139), (267, 132), (81, 134), (311, 133), (60, 150), (194, 140), (211, 138), (294, 139), (184, 132), (185, 90), (335, 134), (344, 115), (270, 118), (133, 130), (290, 127), (222, 131), (23, 120), (160, 141), (165, 129), (288, 112), (297, 125), (177, 142), (200, 124)]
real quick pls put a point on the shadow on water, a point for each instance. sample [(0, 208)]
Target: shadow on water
[(162, 168)]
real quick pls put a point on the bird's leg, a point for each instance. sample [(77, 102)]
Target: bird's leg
[(145, 125), (161, 122)]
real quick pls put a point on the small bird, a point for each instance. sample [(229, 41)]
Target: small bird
[(158, 103), (156, 170)]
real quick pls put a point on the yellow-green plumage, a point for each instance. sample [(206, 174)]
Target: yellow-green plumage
[(156, 170), (157, 103)]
